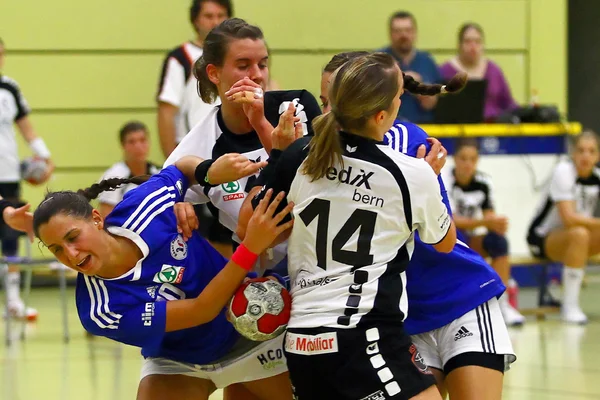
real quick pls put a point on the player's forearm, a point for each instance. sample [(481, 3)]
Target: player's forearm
[(446, 245), (246, 213), (187, 165), (166, 131), (182, 314), (264, 130), (466, 223), (576, 219)]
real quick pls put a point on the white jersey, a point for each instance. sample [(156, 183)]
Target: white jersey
[(211, 139), (565, 185), (179, 87), (13, 107), (121, 170), (471, 200), (353, 232)]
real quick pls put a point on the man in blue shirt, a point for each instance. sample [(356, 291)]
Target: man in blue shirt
[(418, 64)]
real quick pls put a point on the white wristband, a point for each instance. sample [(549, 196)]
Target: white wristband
[(38, 146)]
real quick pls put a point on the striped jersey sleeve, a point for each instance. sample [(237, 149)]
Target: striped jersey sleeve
[(113, 310), (406, 138), (148, 209)]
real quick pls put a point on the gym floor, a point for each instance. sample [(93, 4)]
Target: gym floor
[(555, 361)]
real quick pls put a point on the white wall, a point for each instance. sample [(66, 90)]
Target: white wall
[(514, 178)]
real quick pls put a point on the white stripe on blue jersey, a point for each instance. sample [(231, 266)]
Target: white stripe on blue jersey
[(397, 137), (99, 309), (128, 225), (154, 214), (152, 207)]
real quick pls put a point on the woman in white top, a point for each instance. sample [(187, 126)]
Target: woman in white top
[(564, 228), (14, 110)]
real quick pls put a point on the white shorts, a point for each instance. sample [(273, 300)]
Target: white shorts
[(263, 361), (481, 330)]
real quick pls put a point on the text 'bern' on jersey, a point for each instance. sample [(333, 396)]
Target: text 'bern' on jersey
[(132, 308), (441, 287), (351, 241)]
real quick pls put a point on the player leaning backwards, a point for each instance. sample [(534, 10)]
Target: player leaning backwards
[(141, 284)]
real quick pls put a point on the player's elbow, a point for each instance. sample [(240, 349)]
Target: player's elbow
[(446, 245)]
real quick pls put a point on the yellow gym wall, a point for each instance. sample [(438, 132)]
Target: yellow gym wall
[(87, 67)]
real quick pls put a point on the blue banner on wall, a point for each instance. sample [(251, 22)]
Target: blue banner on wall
[(507, 145)]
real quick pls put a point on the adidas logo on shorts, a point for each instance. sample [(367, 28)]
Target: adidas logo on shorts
[(462, 333)]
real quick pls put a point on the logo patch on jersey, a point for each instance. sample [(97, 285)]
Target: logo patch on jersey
[(418, 360), (462, 333), (178, 248), (300, 113), (350, 176), (311, 344), (233, 189), (151, 291), (378, 395), (148, 314), (169, 274), (271, 359), (179, 186)]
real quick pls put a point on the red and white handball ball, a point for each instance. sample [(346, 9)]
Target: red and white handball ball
[(260, 309), (33, 170)]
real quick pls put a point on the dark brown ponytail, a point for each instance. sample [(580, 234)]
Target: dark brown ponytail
[(455, 85)]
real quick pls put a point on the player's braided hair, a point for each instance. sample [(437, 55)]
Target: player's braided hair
[(410, 84), (110, 184), (456, 84), (77, 204)]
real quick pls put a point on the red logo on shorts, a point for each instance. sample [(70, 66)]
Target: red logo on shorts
[(418, 360)]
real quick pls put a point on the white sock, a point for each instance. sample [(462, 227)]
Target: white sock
[(572, 278), (13, 286)]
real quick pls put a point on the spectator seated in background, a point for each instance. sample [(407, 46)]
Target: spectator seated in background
[(135, 142), (418, 64), (563, 228), (471, 59), (470, 195)]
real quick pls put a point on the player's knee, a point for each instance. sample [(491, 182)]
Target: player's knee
[(495, 245), (579, 234), (10, 247)]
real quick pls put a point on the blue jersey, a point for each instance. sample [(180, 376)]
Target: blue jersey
[(441, 287), (131, 309)]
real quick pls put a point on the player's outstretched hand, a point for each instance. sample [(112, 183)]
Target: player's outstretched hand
[(187, 220), (20, 219), (231, 167), (288, 129), (263, 227)]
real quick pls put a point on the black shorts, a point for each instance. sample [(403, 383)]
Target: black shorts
[(537, 245), (10, 191), (366, 364)]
